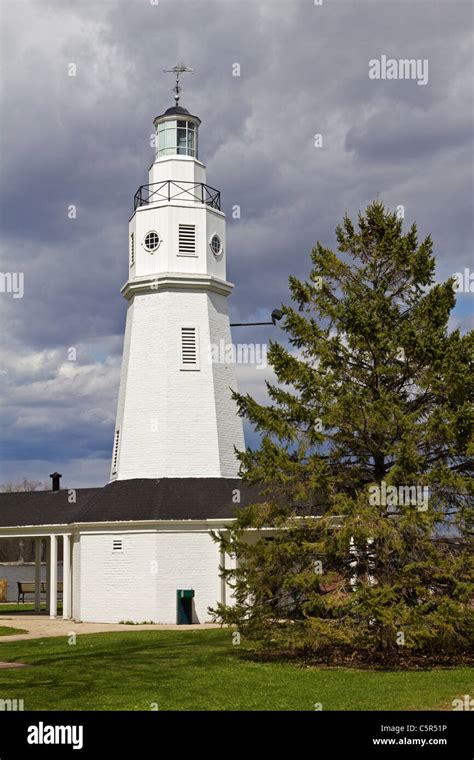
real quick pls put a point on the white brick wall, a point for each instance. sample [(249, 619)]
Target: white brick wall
[(118, 586), (176, 423), (229, 426), (140, 583), (187, 561)]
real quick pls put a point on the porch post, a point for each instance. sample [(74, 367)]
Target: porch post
[(53, 574), (38, 574), (222, 559), (48, 569), (66, 576)]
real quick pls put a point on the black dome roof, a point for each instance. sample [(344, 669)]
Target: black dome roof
[(176, 111)]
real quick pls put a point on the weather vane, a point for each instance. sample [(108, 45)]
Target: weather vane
[(178, 70)]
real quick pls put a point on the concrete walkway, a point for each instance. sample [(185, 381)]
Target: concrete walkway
[(40, 626)]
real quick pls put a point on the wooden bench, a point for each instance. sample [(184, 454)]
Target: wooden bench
[(30, 588)]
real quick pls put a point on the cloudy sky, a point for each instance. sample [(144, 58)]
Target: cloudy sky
[(85, 140)]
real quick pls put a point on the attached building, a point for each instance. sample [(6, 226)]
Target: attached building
[(131, 550)]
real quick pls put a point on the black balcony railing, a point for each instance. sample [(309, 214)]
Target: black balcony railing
[(196, 192)]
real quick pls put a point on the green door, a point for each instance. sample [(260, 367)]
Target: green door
[(184, 603)]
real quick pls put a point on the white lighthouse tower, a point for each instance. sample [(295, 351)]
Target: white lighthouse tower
[(176, 417)]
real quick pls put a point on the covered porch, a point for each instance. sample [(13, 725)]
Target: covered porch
[(47, 544)]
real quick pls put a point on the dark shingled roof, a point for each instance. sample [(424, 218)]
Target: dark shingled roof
[(139, 499), (167, 499), (41, 507)]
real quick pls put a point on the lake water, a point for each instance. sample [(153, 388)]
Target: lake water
[(25, 573)]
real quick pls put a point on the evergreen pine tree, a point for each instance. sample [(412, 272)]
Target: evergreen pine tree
[(370, 420)]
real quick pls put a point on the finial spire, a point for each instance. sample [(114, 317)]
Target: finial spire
[(179, 69)]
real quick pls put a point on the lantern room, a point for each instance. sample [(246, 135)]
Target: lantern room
[(176, 133)]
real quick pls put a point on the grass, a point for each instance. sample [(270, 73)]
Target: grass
[(202, 670), (18, 608), (25, 607), (5, 630)]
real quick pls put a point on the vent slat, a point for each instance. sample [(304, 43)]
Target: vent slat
[(187, 240), (189, 348), (116, 448)]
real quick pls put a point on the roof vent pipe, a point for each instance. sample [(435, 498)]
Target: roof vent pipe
[(56, 477)]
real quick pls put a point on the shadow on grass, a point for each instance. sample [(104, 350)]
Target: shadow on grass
[(127, 645), (361, 661)]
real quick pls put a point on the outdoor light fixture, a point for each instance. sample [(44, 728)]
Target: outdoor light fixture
[(276, 315)]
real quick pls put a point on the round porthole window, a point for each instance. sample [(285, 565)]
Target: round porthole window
[(216, 245), (152, 241)]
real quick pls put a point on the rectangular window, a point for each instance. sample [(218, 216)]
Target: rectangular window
[(132, 249), (166, 143), (170, 138), (189, 348), (182, 142), (187, 240)]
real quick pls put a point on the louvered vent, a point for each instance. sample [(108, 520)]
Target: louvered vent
[(187, 240), (189, 348), (116, 448), (132, 249), (117, 545)]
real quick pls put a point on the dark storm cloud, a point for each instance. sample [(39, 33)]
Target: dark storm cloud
[(389, 138), (84, 140)]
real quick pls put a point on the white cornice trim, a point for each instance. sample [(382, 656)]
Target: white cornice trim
[(121, 526), (167, 280), (22, 531)]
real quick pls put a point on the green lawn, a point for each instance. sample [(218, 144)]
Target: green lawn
[(4, 608), (5, 630), (25, 607), (202, 670)]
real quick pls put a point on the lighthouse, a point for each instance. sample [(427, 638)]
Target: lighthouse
[(142, 547), (176, 417)]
